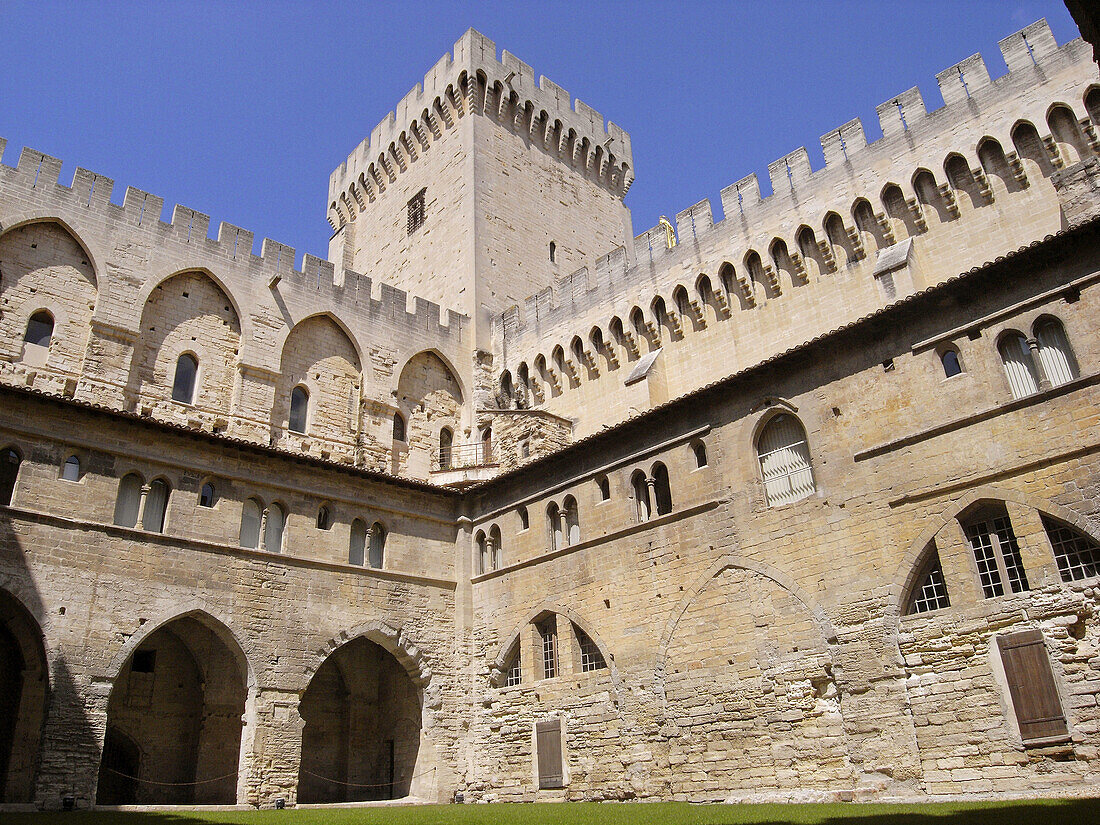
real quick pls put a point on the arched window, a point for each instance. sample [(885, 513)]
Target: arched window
[(251, 517), (604, 487), (156, 505), (357, 544), (572, 521), (1055, 356), (553, 524), (699, 450), (398, 427), (513, 673), (128, 503), (641, 496), (481, 543), (553, 251), (524, 519), (929, 591), (1019, 366), (487, 445), (497, 558), (208, 496), (1077, 555), (785, 461), (10, 460), (377, 545), (183, 386), (71, 470), (591, 658), (996, 550), (299, 409), (950, 361), (507, 391), (273, 531), (662, 491), (446, 438), (324, 518), (39, 329)]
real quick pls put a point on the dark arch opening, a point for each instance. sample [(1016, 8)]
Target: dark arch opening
[(362, 727), (175, 717), (23, 695)]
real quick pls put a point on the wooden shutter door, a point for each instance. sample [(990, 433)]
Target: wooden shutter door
[(548, 741), (1031, 683)]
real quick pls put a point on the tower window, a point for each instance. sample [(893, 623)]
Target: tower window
[(553, 252), (415, 212)]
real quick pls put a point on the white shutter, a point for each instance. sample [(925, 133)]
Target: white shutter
[(1054, 353), (250, 524), (1019, 367), (785, 461)]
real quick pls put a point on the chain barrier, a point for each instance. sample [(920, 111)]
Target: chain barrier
[(171, 784), (236, 774)]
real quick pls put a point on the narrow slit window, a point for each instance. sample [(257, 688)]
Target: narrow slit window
[(1055, 355), (273, 532), (357, 543), (251, 517), (548, 633), (377, 547), (128, 503), (208, 495), (1019, 366), (156, 506), (10, 460)]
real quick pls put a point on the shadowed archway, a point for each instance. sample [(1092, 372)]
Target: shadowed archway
[(362, 721)]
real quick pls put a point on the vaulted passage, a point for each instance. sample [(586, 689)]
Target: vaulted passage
[(23, 687), (362, 728), (174, 720)]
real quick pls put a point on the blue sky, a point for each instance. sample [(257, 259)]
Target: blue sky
[(241, 110)]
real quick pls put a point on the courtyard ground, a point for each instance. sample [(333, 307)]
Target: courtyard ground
[(1032, 812)]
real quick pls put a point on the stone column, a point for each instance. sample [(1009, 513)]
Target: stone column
[(1037, 363), (276, 748), (563, 522), (651, 497), (262, 543), (145, 488)]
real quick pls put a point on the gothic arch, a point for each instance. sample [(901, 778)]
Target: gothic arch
[(95, 257), (168, 273), (394, 640), (202, 613), (500, 663), (330, 314), (909, 567), (824, 624)]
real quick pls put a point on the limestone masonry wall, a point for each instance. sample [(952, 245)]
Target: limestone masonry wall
[(803, 504)]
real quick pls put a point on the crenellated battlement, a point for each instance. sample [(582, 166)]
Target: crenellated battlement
[(994, 142), (38, 175), (472, 79)]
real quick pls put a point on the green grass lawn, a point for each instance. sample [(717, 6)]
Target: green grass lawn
[(1037, 812)]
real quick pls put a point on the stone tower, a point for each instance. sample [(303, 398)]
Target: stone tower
[(481, 187)]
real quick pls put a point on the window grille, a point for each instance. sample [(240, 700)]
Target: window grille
[(930, 592), (416, 212), (1077, 555), (997, 555), (548, 630), (1055, 356), (513, 672), (591, 658), (785, 461), (1019, 366)]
